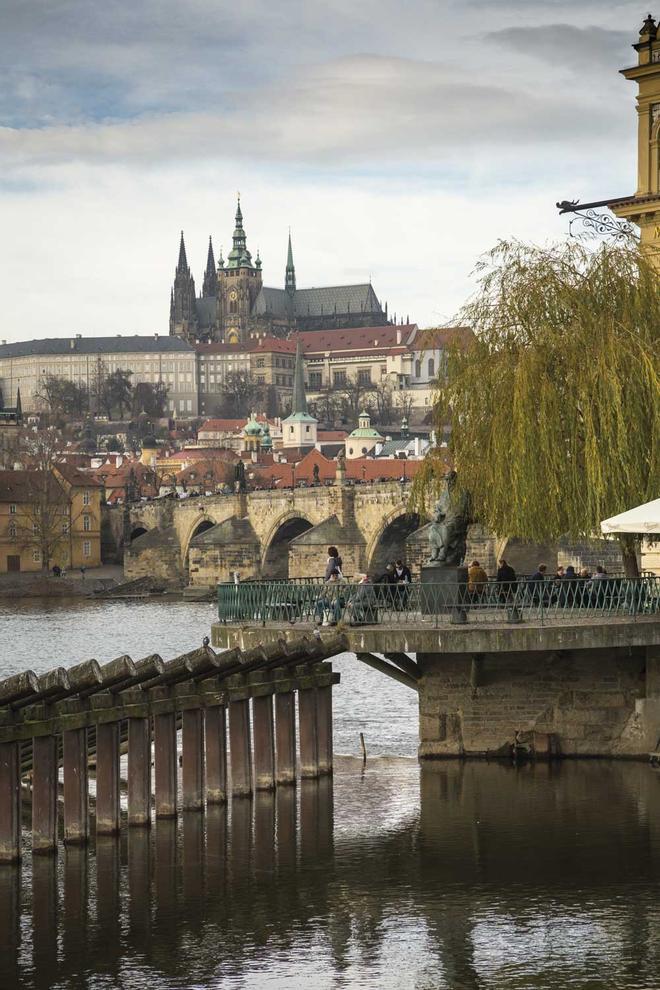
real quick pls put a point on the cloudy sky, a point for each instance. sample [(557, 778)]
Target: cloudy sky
[(397, 140)]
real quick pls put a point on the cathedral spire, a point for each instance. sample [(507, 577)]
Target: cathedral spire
[(239, 256), (210, 284), (182, 265), (290, 277)]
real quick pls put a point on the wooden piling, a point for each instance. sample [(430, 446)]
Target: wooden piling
[(192, 742), (139, 771), (107, 778), (324, 728), (165, 765), (264, 743), (10, 803), (240, 748), (216, 755), (307, 720), (76, 809), (285, 735), (44, 794)]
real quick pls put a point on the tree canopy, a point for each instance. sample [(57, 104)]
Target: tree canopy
[(555, 406)]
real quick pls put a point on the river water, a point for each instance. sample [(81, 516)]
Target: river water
[(473, 875)]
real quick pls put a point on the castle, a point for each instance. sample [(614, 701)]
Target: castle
[(235, 305)]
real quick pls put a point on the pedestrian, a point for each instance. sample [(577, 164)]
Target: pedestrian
[(331, 602), (82, 573), (403, 579), (477, 580), (385, 593), (333, 563), (361, 608), (506, 579), (535, 583)]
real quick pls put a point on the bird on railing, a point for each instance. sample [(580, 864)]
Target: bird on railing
[(206, 641)]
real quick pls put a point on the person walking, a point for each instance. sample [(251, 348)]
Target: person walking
[(477, 580), (403, 580), (506, 578), (333, 563)]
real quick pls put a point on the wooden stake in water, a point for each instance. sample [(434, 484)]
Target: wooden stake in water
[(363, 748)]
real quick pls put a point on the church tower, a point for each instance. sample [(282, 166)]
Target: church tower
[(210, 284), (239, 284), (299, 429), (290, 282), (643, 209), (183, 318)]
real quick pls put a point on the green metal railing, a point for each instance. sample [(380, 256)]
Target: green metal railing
[(549, 601)]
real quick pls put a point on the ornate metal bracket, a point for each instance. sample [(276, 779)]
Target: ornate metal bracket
[(597, 224)]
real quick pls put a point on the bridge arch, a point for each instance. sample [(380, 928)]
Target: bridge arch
[(137, 531), (389, 542), (275, 559)]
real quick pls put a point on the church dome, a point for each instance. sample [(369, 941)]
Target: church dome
[(267, 441), (252, 428)]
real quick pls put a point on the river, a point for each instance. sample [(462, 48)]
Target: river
[(473, 875)]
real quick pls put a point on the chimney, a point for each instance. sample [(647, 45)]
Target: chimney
[(155, 336), (398, 335), (72, 344)]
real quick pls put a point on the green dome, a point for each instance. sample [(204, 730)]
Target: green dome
[(365, 433), (267, 441), (252, 428)]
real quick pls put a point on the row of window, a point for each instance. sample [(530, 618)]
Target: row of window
[(87, 551)]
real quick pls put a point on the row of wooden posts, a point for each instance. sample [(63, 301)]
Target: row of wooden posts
[(89, 713)]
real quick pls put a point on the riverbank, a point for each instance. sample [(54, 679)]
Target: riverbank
[(72, 585)]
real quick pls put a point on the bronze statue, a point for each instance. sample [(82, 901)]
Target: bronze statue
[(449, 525)]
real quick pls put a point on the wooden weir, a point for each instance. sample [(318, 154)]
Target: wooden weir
[(91, 713)]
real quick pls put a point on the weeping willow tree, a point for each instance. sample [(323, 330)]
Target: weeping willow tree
[(554, 407)]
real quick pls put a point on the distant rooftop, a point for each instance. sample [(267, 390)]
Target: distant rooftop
[(119, 344)]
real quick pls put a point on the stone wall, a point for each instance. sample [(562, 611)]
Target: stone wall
[(209, 565), (573, 703), (156, 554)]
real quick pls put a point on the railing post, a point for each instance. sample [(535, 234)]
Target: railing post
[(107, 778), (10, 803), (192, 744), (76, 801), (216, 755), (165, 764), (45, 776), (139, 771)]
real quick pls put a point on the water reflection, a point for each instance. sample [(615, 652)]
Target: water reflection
[(543, 876)]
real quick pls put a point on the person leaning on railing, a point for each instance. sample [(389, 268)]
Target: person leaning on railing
[(477, 580), (506, 579), (362, 606), (332, 600)]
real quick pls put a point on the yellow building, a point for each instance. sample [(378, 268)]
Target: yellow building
[(48, 518), (643, 209)]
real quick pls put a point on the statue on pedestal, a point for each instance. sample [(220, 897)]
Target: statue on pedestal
[(449, 526)]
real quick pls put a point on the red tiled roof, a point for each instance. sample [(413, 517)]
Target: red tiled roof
[(355, 339), (228, 425), (80, 479), (331, 436), (198, 471), (443, 337)]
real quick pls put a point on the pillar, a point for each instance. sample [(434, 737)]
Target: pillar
[(241, 748), (165, 764), (307, 719), (107, 778), (139, 771), (192, 743), (76, 809), (324, 728), (285, 732), (10, 803), (44, 794), (264, 743), (216, 756)]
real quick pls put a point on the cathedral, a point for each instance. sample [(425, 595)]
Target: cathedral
[(235, 305)]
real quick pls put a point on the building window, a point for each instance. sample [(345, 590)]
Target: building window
[(35, 527), (431, 368), (87, 524), (87, 548), (290, 430), (12, 509), (65, 527), (261, 379), (364, 376), (339, 379), (350, 450), (36, 556), (11, 529), (260, 363), (86, 498), (418, 369), (315, 379)]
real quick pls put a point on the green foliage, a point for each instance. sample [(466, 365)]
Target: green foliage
[(555, 406)]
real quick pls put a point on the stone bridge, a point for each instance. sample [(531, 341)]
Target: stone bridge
[(271, 534)]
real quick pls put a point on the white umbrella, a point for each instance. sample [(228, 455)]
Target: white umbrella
[(644, 520)]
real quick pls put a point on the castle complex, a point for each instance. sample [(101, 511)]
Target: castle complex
[(235, 305)]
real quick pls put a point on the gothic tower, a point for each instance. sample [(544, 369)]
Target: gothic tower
[(210, 284), (643, 208), (239, 284), (290, 282), (183, 318)]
